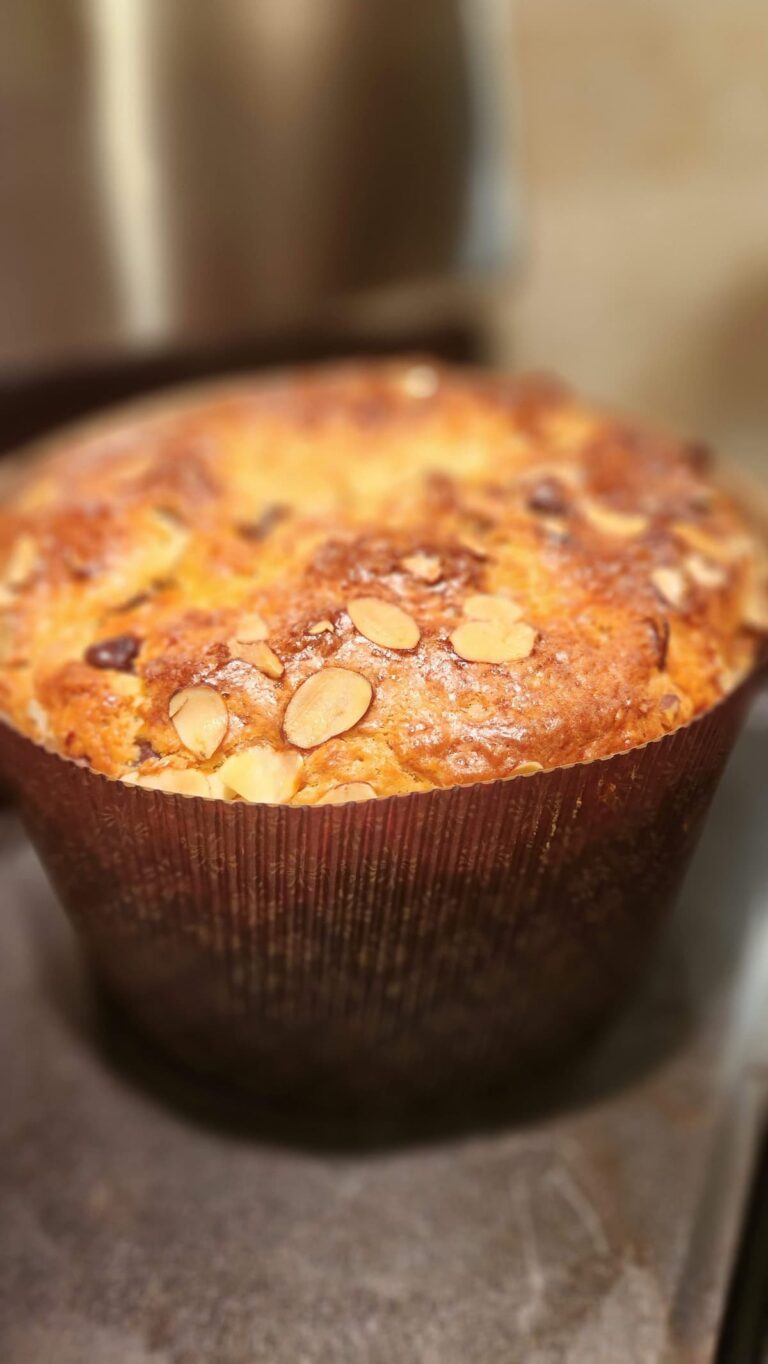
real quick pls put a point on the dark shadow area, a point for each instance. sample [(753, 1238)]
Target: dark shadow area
[(744, 1334), (698, 958), (32, 407), (690, 977), (9, 830)]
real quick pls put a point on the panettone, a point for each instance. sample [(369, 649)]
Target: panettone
[(372, 579)]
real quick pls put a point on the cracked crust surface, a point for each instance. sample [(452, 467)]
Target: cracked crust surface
[(158, 552)]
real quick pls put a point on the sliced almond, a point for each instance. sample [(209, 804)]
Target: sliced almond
[(481, 509), (491, 608), (669, 701), (554, 527), (479, 641), (328, 703), (164, 549), (725, 549), (742, 546), (609, 521), (731, 675), (259, 655), (200, 718), (424, 566), (181, 781), (527, 769), (669, 705), (347, 791), (321, 627), (704, 573), (474, 546), (383, 624), (22, 562), (670, 585), (262, 775), (6, 641), (570, 426), (38, 716), (251, 628), (420, 381), (754, 613)]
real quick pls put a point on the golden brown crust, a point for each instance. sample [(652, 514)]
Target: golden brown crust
[(567, 584)]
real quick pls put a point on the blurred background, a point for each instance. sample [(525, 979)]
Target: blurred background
[(575, 185), (644, 144), (191, 187)]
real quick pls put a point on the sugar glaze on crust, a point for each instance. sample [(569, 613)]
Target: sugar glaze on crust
[(345, 583)]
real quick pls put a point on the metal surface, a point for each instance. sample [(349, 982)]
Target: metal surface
[(143, 1223), (185, 174)]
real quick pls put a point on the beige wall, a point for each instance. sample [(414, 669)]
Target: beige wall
[(644, 132)]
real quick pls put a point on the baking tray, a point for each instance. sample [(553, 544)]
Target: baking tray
[(146, 1221)]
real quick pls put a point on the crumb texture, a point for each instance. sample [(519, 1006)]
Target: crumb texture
[(352, 582)]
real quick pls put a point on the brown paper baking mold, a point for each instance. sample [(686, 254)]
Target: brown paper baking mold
[(446, 941)]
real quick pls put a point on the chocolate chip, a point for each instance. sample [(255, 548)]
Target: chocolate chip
[(132, 603), (145, 751), (118, 653), (547, 497), (260, 529), (81, 572), (699, 456)]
